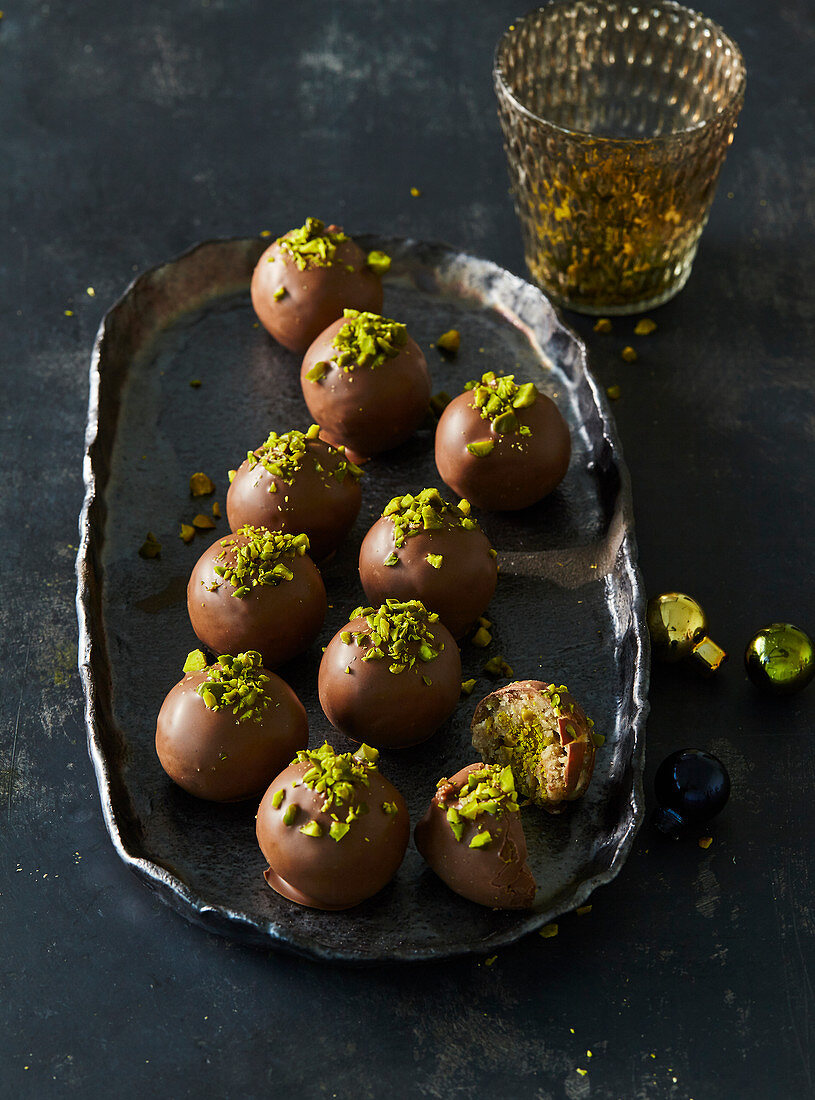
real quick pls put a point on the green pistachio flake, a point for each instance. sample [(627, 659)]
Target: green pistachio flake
[(598, 739), (493, 553), (481, 840), (290, 814), (201, 485), (378, 262), (427, 681), (497, 667), (390, 808), (426, 511), (284, 455), (401, 632), (439, 402), (338, 830), (449, 341), (317, 372), (434, 560), (258, 560), (312, 245), (278, 797), (312, 828), (367, 340), (236, 684), (151, 547), (279, 293), (487, 790), (391, 559), (196, 661), (339, 778), (481, 448), (481, 638), (467, 687), (496, 398)]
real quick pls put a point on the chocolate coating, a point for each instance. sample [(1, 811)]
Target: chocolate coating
[(458, 591), (372, 704), (519, 470), (315, 296), (280, 621), (368, 409), (214, 756), (496, 875), (315, 502), (321, 872), (551, 755)]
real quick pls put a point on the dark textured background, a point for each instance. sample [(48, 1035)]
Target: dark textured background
[(128, 131)]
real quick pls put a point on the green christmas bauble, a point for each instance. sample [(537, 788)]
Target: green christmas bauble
[(780, 659)]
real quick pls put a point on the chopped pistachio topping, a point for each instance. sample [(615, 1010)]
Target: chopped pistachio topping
[(449, 341), (203, 522), (261, 560), (496, 398), (236, 684), (481, 448), (367, 340), (391, 559), (151, 547), (488, 790), (312, 245), (467, 687), (278, 797), (317, 372), (279, 293), (196, 660), (290, 814), (378, 262), (426, 511), (312, 828), (283, 455), (629, 354), (201, 485), (497, 666), (644, 327), (339, 777), (399, 632), (481, 638), (187, 532), (390, 808), (216, 510), (439, 402), (435, 560)]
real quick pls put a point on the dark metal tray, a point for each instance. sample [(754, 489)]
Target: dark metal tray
[(569, 605)]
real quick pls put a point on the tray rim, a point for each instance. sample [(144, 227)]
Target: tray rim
[(235, 924)]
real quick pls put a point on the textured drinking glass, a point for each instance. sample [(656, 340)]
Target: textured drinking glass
[(616, 121)]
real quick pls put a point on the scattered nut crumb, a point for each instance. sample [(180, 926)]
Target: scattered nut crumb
[(467, 687), (216, 509), (91, 292), (497, 666), (582, 910), (481, 638), (69, 313), (705, 841), (602, 324), (629, 354), (415, 192), (203, 523), (265, 232), (645, 327), (613, 392), (187, 532), (490, 960), (195, 383), (151, 547), (449, 341), (548, 931), (201, 485)]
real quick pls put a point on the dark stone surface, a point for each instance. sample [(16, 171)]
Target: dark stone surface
[(127, 133)]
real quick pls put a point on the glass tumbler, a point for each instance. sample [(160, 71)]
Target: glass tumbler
[(616, 121)]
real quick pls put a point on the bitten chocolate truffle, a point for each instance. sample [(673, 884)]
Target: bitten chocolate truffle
[(257, 589), (426, 549), (365, 382), (225, 730), (541, 732), (501, 445), (391, 676), (332, 828), (296, 482), (473, 839), (305, 279)]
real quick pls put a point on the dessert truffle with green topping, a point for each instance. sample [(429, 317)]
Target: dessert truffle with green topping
[(365, 382), (296, 482), (541, 732), (426, 549), (391, 676), (305, 279), (501, 445), (227, 729), (473, 839), (332, 828), (257, 589)]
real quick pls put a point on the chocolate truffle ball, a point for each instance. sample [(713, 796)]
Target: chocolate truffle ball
[(306, 278), (226, 730), (391, 676), (541, 732), (501, 445), (257, 589), (365, 382), (425, 549), (473, 839), (332, 828), (296, 482)]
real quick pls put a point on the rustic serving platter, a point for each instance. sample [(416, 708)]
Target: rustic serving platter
[(569, 605)]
